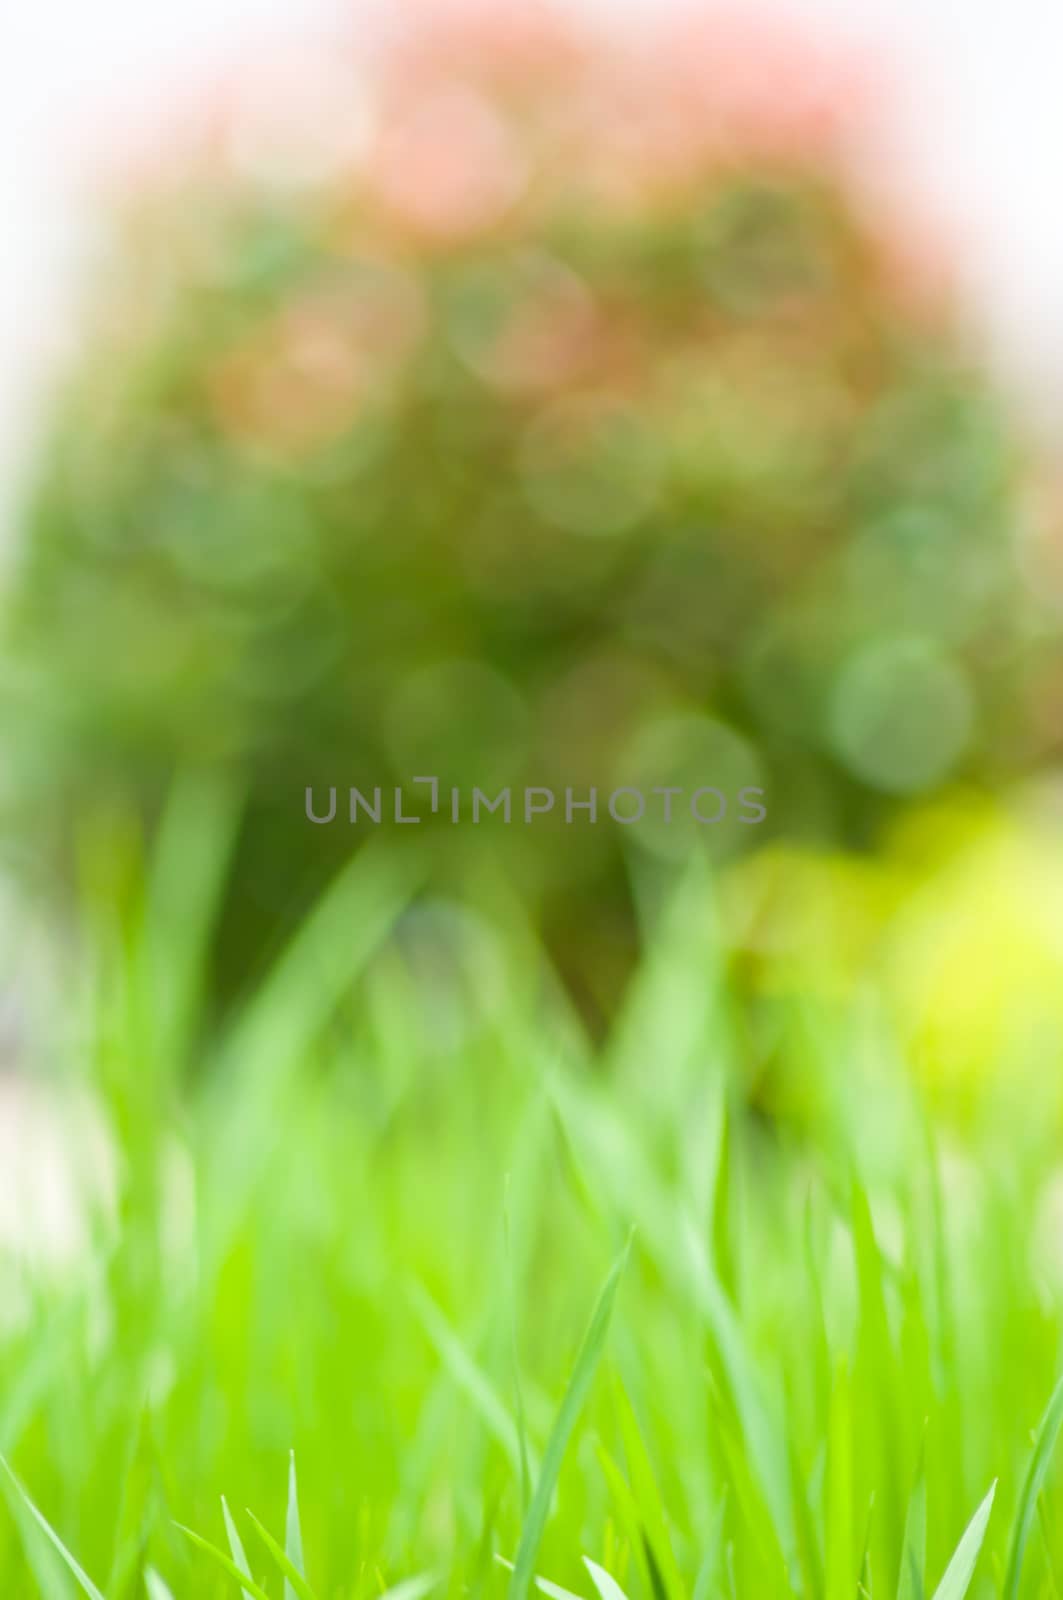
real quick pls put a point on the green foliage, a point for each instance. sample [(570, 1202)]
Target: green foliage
[(689, 488), (343, 1239)]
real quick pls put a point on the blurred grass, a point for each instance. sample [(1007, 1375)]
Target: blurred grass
[(373, 1230), (515, 1212)]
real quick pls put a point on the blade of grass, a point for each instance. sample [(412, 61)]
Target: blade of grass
[(248, 1585), (865, 1586), (586, 1365), (609, 1146), (1052, 1560), (82, 1578), (1047, 1434), (875, 1377), (349, 922), (518, 1392), (295, 1584), (841, 1558), (414, 1588), (912, 1583), (192, 856), (722, 1207), (293, 1538), (960, 1570), (648, 1496), (553, 1591), (604, 1582), (629, 1517), (236, 1545), (473, 1383), (809, 1553), (710, 1561), (748, 1495)]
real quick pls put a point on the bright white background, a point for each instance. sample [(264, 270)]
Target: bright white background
[(975, 126)]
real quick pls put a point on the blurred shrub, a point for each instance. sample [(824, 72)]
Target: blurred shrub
[(566, 423)]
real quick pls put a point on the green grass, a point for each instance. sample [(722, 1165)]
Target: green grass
[(445, 1299)]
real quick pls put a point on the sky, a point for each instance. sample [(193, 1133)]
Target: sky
[(972, 127)]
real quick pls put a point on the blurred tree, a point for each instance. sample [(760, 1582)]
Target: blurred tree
[(554, 416)]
